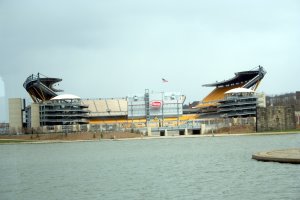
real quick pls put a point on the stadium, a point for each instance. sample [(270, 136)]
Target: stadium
[(245, 79), (51, 111)]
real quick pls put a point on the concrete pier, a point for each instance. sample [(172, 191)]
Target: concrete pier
[(282, 156)]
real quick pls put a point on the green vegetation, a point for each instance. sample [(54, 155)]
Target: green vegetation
[(10, 141)]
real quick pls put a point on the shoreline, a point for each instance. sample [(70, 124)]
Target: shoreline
[(15, 140)]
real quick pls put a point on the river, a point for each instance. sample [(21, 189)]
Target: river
[(181, 168)]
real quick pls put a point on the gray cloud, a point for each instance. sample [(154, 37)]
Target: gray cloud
[(116, 48), (2, 88)]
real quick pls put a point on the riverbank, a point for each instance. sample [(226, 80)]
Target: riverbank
[(60, 137), (213, 135), (115, 136)]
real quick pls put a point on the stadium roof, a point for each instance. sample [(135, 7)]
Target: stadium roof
[(239, 78), (40, 87)]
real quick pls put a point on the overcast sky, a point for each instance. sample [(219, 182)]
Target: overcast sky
[(120, 47)]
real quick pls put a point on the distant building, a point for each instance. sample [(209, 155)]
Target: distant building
[(288, 99)]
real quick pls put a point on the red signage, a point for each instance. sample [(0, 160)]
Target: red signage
[(155, 104)]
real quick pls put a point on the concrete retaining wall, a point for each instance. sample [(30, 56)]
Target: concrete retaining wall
[(276, 118)]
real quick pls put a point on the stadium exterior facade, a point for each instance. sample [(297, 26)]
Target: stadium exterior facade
[(240, 102), (245, 79), (151, 109)]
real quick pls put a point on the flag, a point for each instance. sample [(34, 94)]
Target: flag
[(164, 80)]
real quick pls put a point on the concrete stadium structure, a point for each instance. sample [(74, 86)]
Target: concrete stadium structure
[(138, 110), (15, 106), (240, 102), (155, 105), (150, 109), (245, 79), (49, 108)]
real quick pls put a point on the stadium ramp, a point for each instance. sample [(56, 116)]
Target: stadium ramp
[(40, 87)]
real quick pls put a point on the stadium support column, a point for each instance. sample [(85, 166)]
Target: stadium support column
[(15, 114), (131, 114), (149, 131), (35, 115), (147, 106)]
